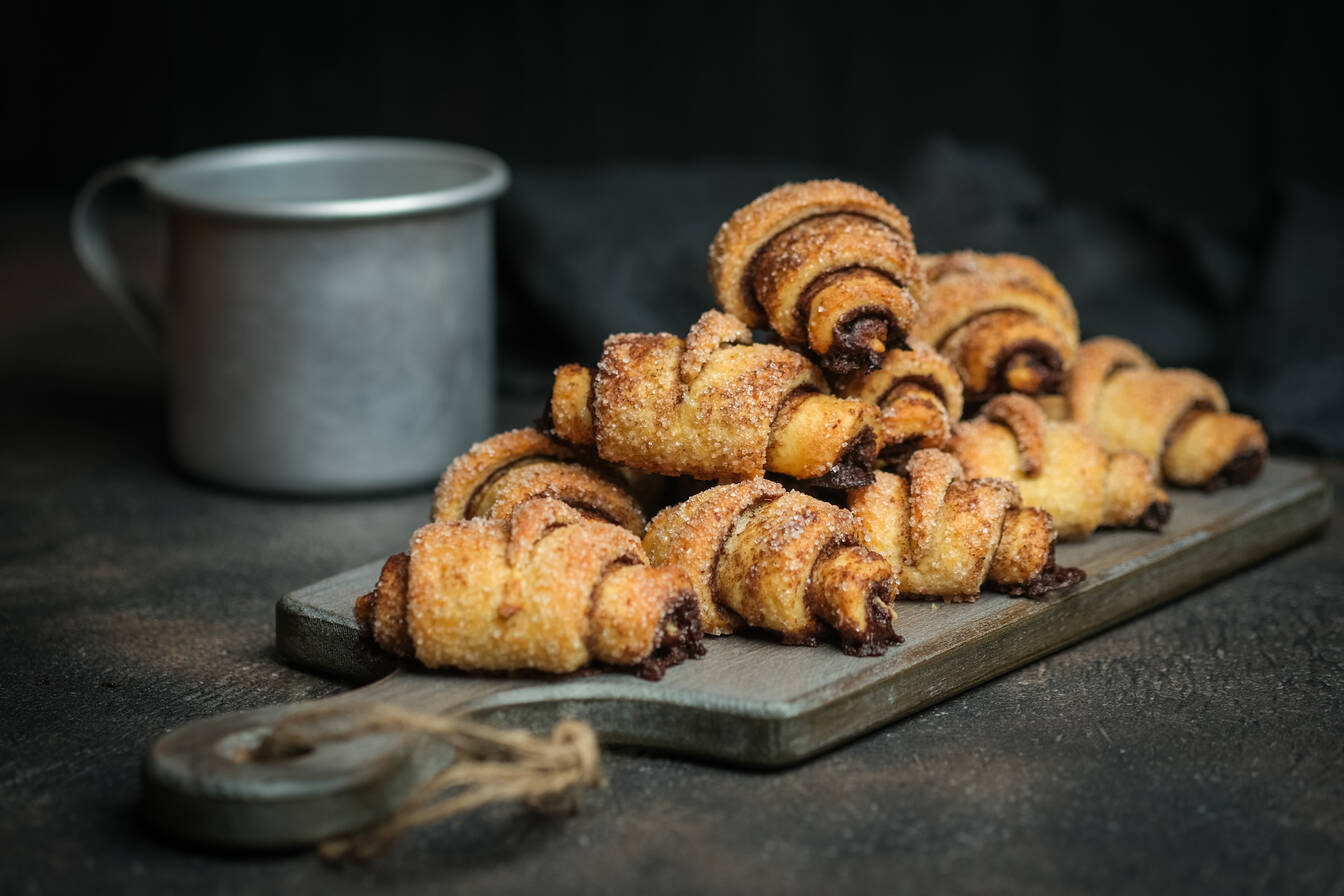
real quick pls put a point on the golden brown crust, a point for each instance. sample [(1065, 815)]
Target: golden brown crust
[(1061, 468), (692, 534), (546, 589), (1028, 535), (1138, 409), (852, 315), (851, 590), (1215, 449), (931, 474), (707, 335), (632, 616), (1097, 359), (1028, 424), (1027, 285), (718, 407), (381, 613), (829, 265), (1133, 498), (496, 475), (811, 433), (947, 536), (571, 417), (1056, 407), (780, 560), (918, 396), (1004, 321), (1177, 419)]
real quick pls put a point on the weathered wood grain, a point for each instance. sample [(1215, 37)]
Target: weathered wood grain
[(754, 701), (749, 701)]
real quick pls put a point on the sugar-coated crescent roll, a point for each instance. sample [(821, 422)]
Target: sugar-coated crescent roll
[(918, 396), (713, 407), (494, 476), (828, 265), (545, 589), (1061, 468), (947, 536), (760, 555), (1004, 322), (1177, 419)]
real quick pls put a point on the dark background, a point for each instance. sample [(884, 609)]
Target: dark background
[(1206, 111), (1177, 167)]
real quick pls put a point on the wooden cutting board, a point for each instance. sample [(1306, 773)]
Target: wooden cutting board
[(749, 701)]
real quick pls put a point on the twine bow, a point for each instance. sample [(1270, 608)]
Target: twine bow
[(490, 765)]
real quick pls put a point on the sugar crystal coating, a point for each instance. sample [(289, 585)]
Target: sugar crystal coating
[(829, 265), (546, 589), (717, 406), (1176, 419), (780, 560), (1002, 320), (942, 532)]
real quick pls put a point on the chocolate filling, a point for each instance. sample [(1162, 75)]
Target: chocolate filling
[(1154, 517), (1050, 578), (879, 635), (545, 422), (854, 469), (684, 642), (895, 456), (1043, 360), (1242, 468), (592, 405), (748, 282), (851, 349)]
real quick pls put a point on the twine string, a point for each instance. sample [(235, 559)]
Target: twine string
[(490, 765)]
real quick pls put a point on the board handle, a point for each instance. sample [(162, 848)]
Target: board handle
[(207, 783)]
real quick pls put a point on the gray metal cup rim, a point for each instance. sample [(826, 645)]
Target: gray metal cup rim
[(165, 181)]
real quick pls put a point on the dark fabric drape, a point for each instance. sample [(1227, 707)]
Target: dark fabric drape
[(588, 252)]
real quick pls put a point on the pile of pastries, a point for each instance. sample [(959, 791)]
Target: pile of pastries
[(913, 427)]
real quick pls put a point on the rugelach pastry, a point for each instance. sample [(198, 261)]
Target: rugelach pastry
[(947, 536), (494, 476), (1061, 468), (713, 407), (918, 396), (760, 555), (1176, 418), (546, 589), (1004, 322), (829, 266)]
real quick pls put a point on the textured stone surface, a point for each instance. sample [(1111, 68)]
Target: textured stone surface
[(1197, 747)]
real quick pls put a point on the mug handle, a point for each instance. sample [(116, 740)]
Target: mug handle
[(88, 232)]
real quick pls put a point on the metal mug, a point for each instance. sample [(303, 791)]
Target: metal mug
[(328, 308)]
